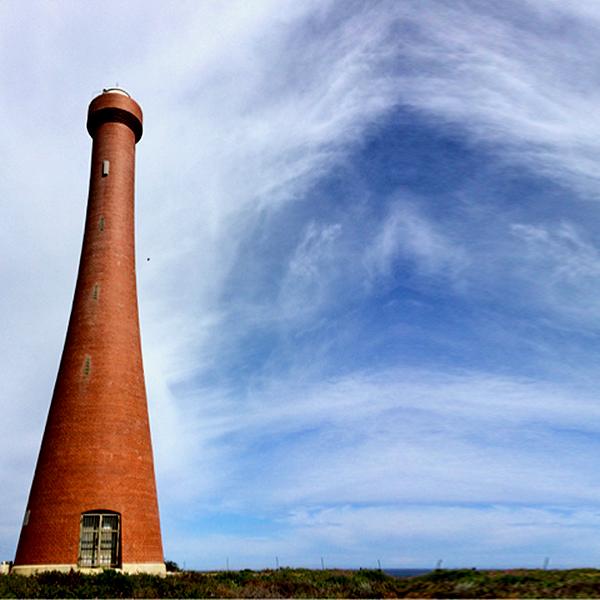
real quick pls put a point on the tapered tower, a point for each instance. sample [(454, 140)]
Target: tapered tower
[(93, 499)]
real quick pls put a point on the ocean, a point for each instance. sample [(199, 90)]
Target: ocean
[(406, 572)]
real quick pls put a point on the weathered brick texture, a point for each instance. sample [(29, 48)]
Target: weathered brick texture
[(96, 451)]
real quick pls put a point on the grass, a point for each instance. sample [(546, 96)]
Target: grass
[(304, 583)]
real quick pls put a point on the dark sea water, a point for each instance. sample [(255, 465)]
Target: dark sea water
[(406, 572)]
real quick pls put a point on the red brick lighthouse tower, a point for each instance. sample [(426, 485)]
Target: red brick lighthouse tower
[(93, 499)]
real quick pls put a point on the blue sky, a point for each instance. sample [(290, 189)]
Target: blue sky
[(370, 317)]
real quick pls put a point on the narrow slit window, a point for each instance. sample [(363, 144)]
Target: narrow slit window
[(105, 167), (101, 224), (87, 366), (100, 540), (96, 291)]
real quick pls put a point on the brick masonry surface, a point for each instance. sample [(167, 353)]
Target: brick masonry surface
[(96, 451)]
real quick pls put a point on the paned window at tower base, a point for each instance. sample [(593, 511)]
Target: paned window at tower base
[(99, 540)]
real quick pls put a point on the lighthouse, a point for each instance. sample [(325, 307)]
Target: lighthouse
[(93, 501)]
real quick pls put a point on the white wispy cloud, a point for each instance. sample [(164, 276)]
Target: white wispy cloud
[(404, 234), (247, 107), (510, 79), (410, 457)]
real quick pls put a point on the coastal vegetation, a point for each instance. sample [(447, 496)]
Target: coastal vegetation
[(303, 583)]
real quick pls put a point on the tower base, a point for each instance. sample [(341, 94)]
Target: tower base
[(127, 568)]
